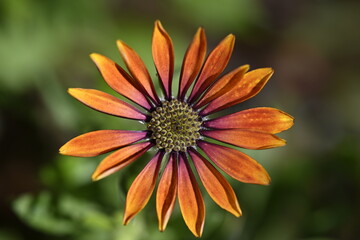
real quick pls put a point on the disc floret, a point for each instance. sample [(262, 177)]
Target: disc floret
[(175, 126)]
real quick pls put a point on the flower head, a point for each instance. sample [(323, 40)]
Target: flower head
[(178, 127)]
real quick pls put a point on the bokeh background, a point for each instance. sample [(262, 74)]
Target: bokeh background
[(314, 47)]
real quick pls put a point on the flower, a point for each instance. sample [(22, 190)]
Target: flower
[(178, 127)]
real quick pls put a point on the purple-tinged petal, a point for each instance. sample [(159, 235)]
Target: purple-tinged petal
[(120, 159), (235, 163), (163, 55), (166, 193), (262, 119), (106, 103), (216, 185), (190, 200), (245, 138), (119, 80), (142, 188), (213, 66), (249, 86), (192, 63), (100, 142), (138, 70), (222, 86)]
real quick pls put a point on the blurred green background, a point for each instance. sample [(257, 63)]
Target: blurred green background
[(314, 47)]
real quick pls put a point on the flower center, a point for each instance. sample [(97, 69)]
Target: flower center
[(175, 126)]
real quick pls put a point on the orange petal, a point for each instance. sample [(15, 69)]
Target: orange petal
[(237, 164), (245, 138), (119, 159), (192, 62), (249, 86), (214, 66), (191, 202), (223, 85), (106, 103), (138, 70), (166, 193), (119, 80), (142, 188), (163, 55), (99, 142), (216, 185), (261, 119)]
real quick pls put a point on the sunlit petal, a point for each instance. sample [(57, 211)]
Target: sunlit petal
[(192, 62), (119, 80), (263, 119), (222, 86), (163, 55), (166, 193), (119, 159), (138, 70), (190, 199), (216, 185), (214, 66), (249, 86), (245, 138), (142, 188), (106, 103), (235, 163), (99, 142)]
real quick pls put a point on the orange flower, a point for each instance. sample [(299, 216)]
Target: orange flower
[(177, 127)]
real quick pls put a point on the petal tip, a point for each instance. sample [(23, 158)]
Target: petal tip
[(62, 149), (96, 176), (126, 219), (95, 57), (120, 44)]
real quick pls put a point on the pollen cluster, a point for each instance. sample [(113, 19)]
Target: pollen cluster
[(175, 126)]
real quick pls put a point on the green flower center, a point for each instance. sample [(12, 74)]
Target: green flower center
[(175, 126)]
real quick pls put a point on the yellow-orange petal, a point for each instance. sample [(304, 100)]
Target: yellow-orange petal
[(99, 142), (106, 103), (193, 60), (138, 70), (141, 189), (263, 119), (119, 80), (163, 55), (119, 159), (190, 200), (223, 85), (166, 193), (214, 66), (245, 138), (216, 185), (235, 163), (249, 86)]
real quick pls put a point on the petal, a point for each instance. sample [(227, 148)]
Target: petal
[(119, 159), (223, 85), (249, 86), (237, 164), (261, 119), (190, 200), (163, 55), (216, 185), (119, 80), (138, 70), (245, 138), (99, 142), (214, 66), (142, 188), (192, 63), (166, 193), (106, 103)]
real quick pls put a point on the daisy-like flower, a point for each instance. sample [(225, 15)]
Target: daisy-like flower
[(179, 126)]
